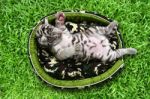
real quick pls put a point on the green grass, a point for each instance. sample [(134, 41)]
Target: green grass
[(17, 79)]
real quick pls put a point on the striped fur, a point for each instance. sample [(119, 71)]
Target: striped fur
[(85, 45)]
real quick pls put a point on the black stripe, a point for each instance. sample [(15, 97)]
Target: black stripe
[(81, 36), (92, 54), (90, 31), (94, 43), (84, 54), (78, 39), (73, 40), (87, 33), (103, 45), (78, 28), (109, 57), (69, 45), (108, 52), (92, 47), (87, 45), (37, 32), (102, 41), (85, 42), (82, 46), (41, 31), (86, 57)]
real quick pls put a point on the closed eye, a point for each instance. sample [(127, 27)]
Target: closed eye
[(50, 29)]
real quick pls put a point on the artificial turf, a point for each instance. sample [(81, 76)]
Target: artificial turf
[(17, 78)]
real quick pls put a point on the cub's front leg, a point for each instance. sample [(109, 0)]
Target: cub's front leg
[(60, 20), (112, 27)]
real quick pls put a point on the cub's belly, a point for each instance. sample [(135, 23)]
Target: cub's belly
[(62, 53), (97, 46)]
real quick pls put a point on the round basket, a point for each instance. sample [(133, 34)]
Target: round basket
[(73, 17)]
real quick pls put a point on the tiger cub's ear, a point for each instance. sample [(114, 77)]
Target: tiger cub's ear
[(46, 21)]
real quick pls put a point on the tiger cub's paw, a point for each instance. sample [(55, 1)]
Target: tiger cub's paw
[(60, 16), (114, 25), (131, 51)]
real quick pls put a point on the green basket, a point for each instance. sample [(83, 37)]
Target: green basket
[(79, 17)]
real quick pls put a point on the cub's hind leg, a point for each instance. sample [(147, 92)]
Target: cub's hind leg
[(113, 55)]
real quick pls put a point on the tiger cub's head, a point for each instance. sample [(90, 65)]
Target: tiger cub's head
[(47, 34)]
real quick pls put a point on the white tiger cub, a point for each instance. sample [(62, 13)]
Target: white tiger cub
[(86, 45)]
